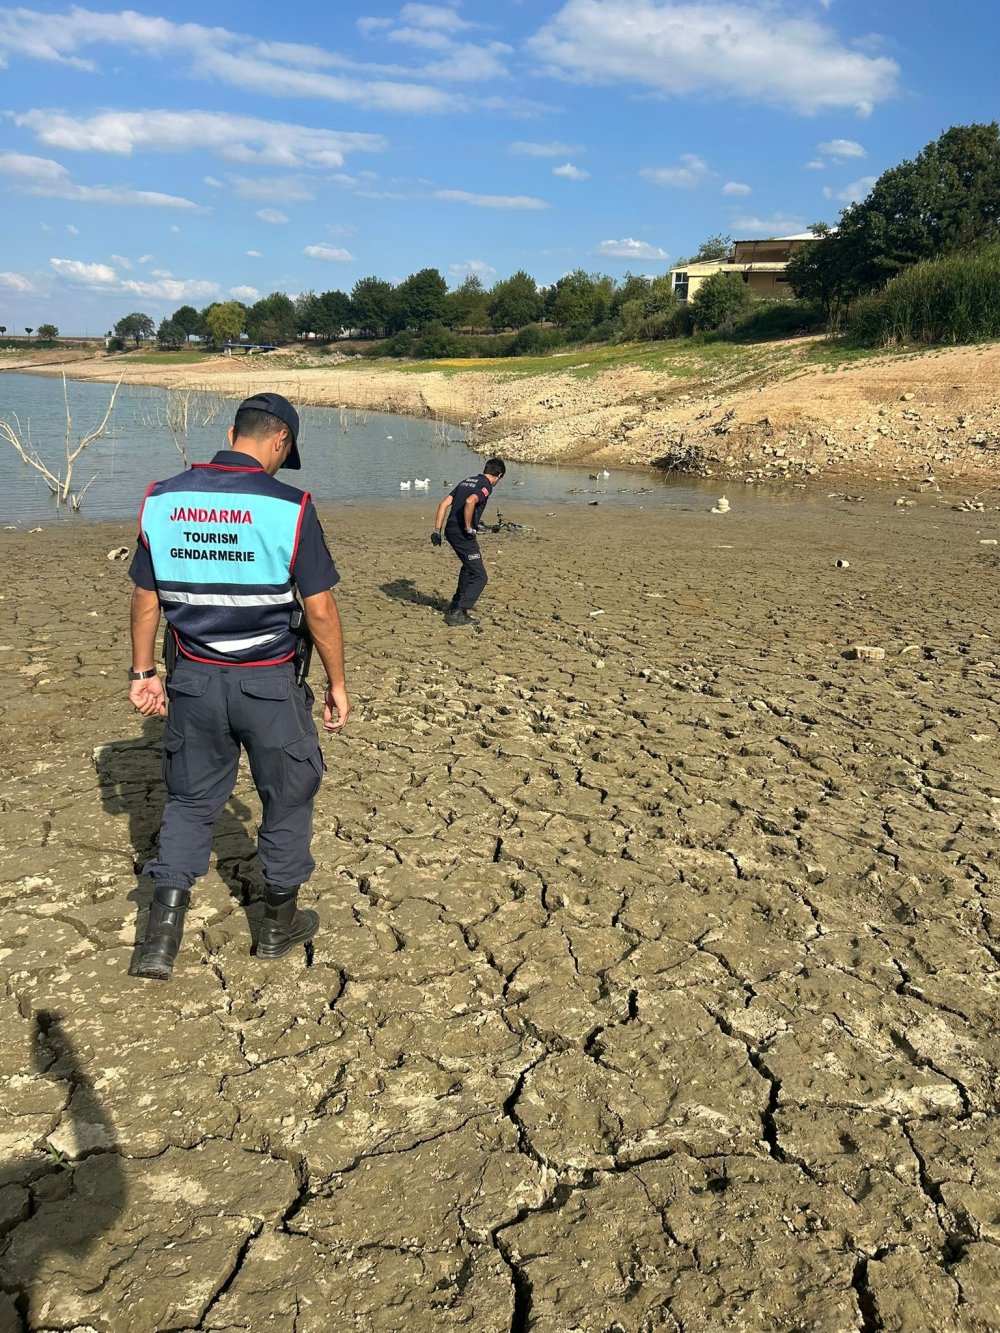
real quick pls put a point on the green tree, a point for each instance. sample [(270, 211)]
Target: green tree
[(134, 327), (514, 302), (467, 307), (189, 321), (337, 313), (225, 321), (945, 201), (713, 247), (371, 301), (169, 334), (272, 319), (633, 287), (579, 299), (47, 333), (720, 300), (420, 299)]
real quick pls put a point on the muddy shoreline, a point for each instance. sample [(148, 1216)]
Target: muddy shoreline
[(657, 980), (932, 414)]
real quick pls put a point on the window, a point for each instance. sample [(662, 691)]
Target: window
[(680, 285)]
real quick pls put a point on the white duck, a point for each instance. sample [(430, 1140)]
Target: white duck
[(404, 485)]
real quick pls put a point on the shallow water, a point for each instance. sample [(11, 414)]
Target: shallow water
[(350, 457)]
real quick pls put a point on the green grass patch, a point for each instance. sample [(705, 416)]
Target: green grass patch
[(687, 358)]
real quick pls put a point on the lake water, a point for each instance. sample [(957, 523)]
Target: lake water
[(347, 457)]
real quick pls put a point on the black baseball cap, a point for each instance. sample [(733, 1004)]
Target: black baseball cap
[(282, 409)]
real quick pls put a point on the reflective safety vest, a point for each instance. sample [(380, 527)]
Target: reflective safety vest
[(222, 540)]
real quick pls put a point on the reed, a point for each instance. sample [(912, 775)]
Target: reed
[(942, 301)]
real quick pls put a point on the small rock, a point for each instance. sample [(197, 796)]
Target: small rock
[(864, 652), (843, 564), (118, 553), (906, 397)]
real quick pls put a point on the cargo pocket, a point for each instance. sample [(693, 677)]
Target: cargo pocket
[(174, 766), (266, 687), (303, 770)]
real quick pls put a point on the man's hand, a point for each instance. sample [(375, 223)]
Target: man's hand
[(470, 532), (436, 537), (147, 697), (336, 708)]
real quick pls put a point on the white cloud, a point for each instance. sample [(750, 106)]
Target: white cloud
[(489, 200), (102, 277), (36, 169), (730, 48), (236, 138), (570, 173), (629, 248), (16, 282), (253, 254), (472, 267), (327, 252), (160, 272), (272, 215), (853, 193), (815, 165), (217, 54), (779, 224), (144, 259), (175, 229), (122, 261), (736, 188), (693, 172), (370, 25), (91, 275), (245, 293), (73, 231), (43, 176), (554, 149), (841, 149), (442, 17)]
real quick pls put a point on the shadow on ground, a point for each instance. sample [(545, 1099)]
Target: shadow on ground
[(53, 1207)]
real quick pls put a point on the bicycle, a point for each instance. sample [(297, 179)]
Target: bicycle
[(505, 525)]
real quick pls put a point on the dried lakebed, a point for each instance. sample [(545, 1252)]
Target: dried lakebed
[(657, 985)]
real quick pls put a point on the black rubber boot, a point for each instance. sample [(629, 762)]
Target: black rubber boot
[(163, 933), (284, 924)]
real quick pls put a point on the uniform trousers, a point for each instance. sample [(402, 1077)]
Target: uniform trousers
[(472, 577), (214, 711)]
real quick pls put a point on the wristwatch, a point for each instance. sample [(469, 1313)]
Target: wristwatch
[(142, 675)]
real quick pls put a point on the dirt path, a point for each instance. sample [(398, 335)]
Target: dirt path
[(657, 983), (933, 414)]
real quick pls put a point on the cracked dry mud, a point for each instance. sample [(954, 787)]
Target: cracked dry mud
[(657, 983)]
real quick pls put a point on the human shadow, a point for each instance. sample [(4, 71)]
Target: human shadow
[(130, 778), (405, 590), (57, 1207)]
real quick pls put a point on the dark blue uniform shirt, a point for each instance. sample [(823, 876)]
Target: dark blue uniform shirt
[(482, 488)]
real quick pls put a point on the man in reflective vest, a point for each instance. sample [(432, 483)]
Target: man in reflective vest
[(223, 549)]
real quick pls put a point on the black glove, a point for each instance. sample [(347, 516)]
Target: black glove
[(435, 538)]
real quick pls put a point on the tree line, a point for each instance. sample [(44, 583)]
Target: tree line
[(375, 308), (943, 203)]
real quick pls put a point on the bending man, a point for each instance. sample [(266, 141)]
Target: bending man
[(460, 515)]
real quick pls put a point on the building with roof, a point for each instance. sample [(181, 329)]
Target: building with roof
[(760, 263)]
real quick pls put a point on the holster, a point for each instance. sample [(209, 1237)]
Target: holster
[(169, 653)]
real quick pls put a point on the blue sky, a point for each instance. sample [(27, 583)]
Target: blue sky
[(156, 156)]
